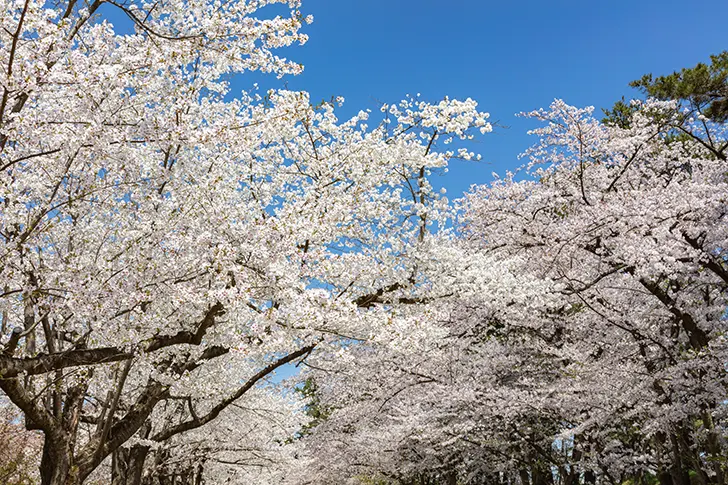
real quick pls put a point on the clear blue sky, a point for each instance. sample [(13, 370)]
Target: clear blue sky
[(510, 56)]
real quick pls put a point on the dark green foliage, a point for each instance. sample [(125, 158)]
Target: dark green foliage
[(314, 409), (702, 96), (704, 87), (620, 115)]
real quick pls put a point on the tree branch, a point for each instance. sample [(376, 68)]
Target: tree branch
[(215, 411)]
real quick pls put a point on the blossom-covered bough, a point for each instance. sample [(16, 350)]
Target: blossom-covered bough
[(163, 250)]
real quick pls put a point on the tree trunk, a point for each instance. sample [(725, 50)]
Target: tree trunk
[(127, 466), (56, 465), (714, 449), (523, 475), (541, 475), (664, 477), (451, 478), (590, 478), (679, 472), (198, 478)]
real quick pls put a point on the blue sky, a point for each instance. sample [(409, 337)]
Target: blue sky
[(510, 56)]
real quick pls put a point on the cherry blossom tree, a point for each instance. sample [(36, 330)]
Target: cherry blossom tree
[(163, 245), (628, 224)]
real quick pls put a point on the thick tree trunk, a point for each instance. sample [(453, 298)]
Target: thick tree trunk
[(524, 476), (590, 478), (56, 465), (541, 475), (714, 448), (664, 477), (127, 466), (679, 470)]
